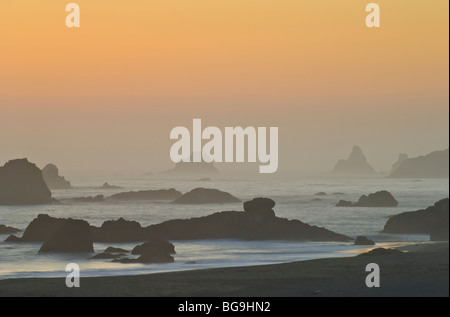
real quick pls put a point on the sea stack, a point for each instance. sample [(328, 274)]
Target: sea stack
[(356, 164), (21, 183), (52, 178)]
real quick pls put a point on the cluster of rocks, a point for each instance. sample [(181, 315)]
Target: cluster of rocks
[(257, 222), (379, 199)]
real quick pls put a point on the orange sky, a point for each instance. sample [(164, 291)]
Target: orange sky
[(141, 63)]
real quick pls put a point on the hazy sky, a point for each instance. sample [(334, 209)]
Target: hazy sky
[(105, 96)]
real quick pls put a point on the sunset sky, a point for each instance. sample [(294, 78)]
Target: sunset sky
[(106, 95)]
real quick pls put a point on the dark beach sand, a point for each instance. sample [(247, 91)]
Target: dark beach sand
[(421, 271)]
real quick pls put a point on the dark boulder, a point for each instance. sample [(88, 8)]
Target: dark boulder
[(120, 230), (51, 176), (362, 240), (206, 196), (13, 238), (260, 207), (42, 228), (320, 194), (379, 199), (8, 230), (21, 183), (160, 194), (73, 236), (344, 203), (433, 220), (153, 251), (155, 245), (115, 250)]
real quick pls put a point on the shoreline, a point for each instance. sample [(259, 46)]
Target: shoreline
[(421, 270)]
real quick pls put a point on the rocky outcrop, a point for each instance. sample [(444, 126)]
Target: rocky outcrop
[(72, 236), (21, 183), (206, 196), (42, 228), (362, 240), (8, 230), (52, 178), (344, 203), (107, 186), (257, 222), (252, 224), (433, 165), (356, 164), (115, 250), (154, 251), (433, 220), (119, 230), (161, 194), (401, 158), (379, 199)]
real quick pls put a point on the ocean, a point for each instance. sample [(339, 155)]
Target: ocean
[(293, 197)]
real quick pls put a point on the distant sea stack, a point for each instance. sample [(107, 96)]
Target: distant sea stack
[(201, 169), (356, 164), (52, 178), (21, 183), (432, 165)]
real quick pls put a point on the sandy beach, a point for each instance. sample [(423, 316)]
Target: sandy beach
[(421, 270)]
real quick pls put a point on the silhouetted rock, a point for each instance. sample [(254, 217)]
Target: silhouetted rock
[(356, 164), (96, 199), (379, 199), (338, 193), (259, 204), (107, 186), (401, 158), (42, 228), (433, 220), (13, 238), (161, 194), (120, 230), (155, 245), (115, 250), (153, 251), (51, 176), (206, 196), (256, 223), (433, 165), (320, 194), (316, 199), (72, 236), (21, 183), (344, 203), (381, 251), (8, 230), (362, 240)]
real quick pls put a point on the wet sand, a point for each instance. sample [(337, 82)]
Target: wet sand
[(421, 270)]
